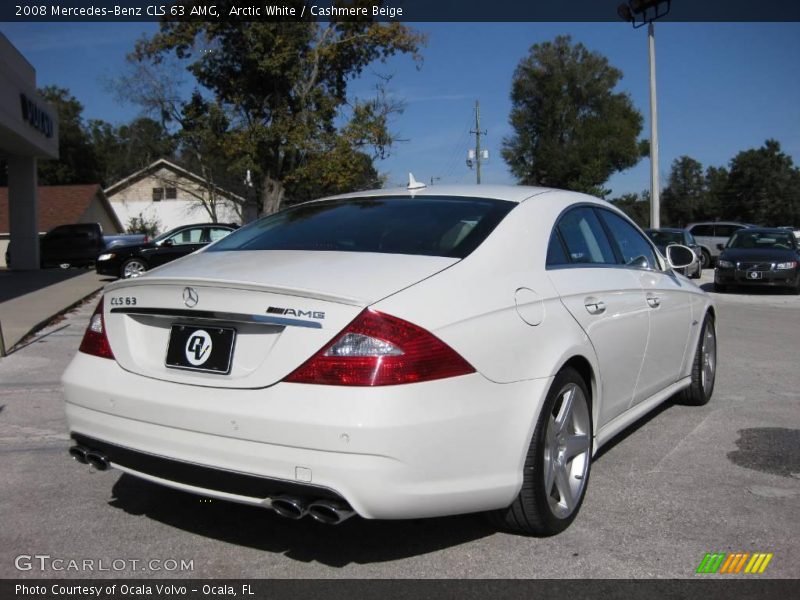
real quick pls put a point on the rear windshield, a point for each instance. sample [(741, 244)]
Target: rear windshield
[(432, 226), (759, 239)]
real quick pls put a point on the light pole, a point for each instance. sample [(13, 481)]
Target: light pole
[(638, 13)]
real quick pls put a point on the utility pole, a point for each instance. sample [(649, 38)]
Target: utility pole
[(478, 133), (639, 13), (655, 205)]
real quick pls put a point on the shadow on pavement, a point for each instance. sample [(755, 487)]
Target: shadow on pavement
[(356, 540), (18, 283)]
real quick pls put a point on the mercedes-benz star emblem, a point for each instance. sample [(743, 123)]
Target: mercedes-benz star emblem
[(190, 297)]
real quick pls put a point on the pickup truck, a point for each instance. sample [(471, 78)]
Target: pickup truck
[(78, 245)]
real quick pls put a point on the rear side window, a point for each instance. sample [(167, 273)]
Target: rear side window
[(431, 226), (703, 230), (585, 240)]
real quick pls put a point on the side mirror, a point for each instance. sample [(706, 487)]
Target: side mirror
[(720, 246), (679, 256), (167, 243)]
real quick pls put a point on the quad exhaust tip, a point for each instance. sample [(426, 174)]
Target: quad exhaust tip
[(85, 456), (329, 512)]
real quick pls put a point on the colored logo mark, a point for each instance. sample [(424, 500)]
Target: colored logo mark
[(734, 563)]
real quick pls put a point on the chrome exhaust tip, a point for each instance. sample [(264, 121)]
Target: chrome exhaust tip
[(330, 512), (97, 460), (290, 507), (78, 453)]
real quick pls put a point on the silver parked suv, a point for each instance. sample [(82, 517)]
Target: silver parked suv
[(709, 235)]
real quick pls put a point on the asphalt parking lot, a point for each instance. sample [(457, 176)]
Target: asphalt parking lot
[(683, 482)]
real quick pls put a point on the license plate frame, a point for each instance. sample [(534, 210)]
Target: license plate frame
[(216, 342), (755, 275)]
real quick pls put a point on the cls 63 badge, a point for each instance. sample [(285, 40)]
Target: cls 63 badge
[(123, 301)]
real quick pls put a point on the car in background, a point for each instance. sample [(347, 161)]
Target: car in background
[(77, 245), (759, 257), (134, 260), (709, 235), (666, 236), (795, 231), (395, 354), (126, 239)]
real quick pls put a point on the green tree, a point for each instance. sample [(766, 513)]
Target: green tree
[(128, 148), (636, 206), (284, 85), (77, 161), (716, 190), (570, 129), (763, 187), (685, 194)]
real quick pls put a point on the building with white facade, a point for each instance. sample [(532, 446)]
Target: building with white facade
[(170, 195)]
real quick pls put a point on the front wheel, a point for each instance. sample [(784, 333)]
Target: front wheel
[(133, 267), (704, 365), (557, 465)]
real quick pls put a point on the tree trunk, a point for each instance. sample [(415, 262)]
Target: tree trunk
[(271, 195)]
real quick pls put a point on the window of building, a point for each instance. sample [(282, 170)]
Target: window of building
[(158, 194), (171, 193)]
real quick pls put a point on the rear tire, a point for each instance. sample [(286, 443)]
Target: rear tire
[(704, 366), (557, 464)]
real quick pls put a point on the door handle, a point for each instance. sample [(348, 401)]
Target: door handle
[(653, 301), (595, 306)]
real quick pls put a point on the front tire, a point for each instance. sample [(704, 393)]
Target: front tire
[(705, 260), (557, 465), (704, 365), (133, 267)]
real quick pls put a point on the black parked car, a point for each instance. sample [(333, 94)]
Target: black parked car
[(666, 237), (762, 257), (132, 261)]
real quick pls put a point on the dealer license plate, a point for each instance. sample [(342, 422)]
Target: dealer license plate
[(207, 349)]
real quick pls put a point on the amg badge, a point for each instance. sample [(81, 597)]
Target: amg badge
[(296, 312)]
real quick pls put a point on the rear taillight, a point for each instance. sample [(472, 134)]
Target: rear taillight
[(378, 349), (94, 340)]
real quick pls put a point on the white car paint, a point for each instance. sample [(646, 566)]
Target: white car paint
[(441, 447)]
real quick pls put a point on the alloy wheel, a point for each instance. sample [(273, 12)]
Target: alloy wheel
[(567, 451)]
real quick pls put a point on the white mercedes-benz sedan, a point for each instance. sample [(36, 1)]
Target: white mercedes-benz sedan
[(394, 354)]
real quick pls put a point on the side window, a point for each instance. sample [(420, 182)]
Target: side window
[(218, 233), (631, 244), (703, 230), (187, 236), (555, 251), (726, 230), (585, 238)]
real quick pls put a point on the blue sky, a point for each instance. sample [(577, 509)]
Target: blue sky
[(722, 87)]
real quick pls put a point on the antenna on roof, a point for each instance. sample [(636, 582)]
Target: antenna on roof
[(413, 184)]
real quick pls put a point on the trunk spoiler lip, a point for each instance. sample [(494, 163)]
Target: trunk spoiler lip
[(200, 282), (278, 323)]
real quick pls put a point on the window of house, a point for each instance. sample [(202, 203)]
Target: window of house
[(158, 194), (171, 193)]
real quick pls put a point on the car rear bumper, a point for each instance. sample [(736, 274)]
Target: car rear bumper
[(420, 450)]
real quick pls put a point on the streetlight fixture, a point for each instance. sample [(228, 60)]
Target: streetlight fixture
[(639, 13)]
